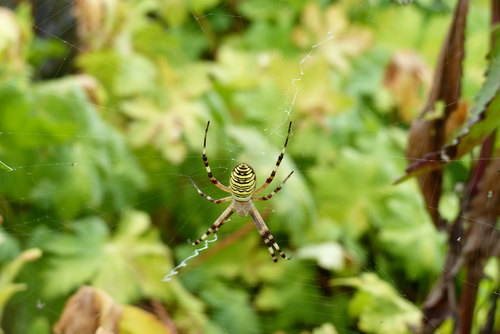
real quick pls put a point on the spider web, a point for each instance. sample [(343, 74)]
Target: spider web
[(339, 214)]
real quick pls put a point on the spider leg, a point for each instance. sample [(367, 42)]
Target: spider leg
[(266, 234), (270, 178), (216, 201), (218, 223), (265, 198), (207, 166)]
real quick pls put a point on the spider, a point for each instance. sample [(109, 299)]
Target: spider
[(242, 185)]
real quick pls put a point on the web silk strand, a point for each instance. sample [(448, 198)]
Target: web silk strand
[(196, 252)]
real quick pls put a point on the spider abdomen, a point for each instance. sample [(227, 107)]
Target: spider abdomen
[(242, 183)]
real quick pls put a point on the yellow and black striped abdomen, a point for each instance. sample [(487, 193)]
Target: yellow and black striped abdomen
[(242, 183)]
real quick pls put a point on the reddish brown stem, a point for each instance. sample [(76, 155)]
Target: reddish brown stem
[(162, 314), (479, 167), (469, 295), (476, 253), (476, 260)]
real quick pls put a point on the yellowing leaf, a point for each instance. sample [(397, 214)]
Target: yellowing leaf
[(14, 33), (97, 21), (175, 12), (137, 321), (165, 129), (331, 28), (237, 69)]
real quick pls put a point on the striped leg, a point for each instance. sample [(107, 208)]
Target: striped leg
[(265, 198), (270, 178), (218, 223), (216, 201), (266, 235), (209, 171)]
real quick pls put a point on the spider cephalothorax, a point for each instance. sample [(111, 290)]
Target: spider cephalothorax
[(242, 185)]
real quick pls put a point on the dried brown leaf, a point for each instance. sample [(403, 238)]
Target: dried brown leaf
[(404, 76), (87, 310), (101, 330), (455, 120), (96, 21), (91, 87)]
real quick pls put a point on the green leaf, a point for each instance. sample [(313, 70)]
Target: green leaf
[(175, 12), (40, 325), (416, 244), (199, 6), (128, 265), (74, 258), (75, 158), (353, 187), (9, 272), (402, 2), (122, 79), (231, 309), (10, 247), (307, 300), (379, 307)]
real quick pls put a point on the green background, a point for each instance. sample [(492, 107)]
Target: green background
[(103, 110)]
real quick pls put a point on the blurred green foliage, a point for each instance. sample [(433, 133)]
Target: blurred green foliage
[(102, 157)]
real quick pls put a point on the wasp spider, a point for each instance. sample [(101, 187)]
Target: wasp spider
[(242, 185)]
